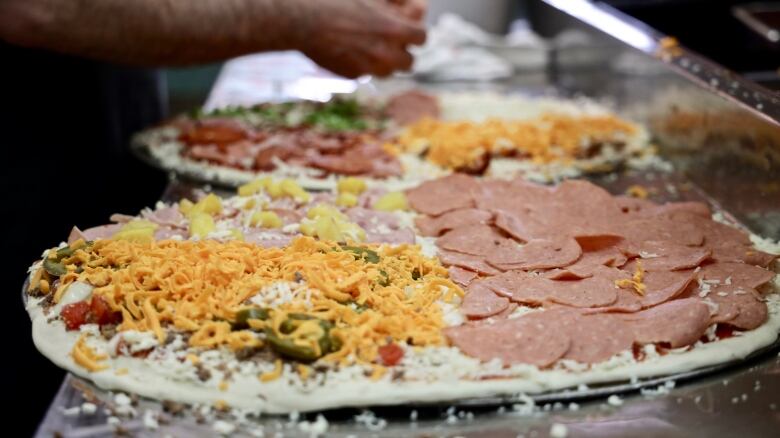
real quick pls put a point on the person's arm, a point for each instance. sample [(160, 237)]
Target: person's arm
[(349, 37)]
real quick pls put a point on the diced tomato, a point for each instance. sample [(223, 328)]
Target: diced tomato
[(391, 354), (75, 314), (101, 312)]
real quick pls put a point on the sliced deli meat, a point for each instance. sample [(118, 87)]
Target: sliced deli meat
[(462, 277), (442, 195), (435, 226), (481, 302), (666, 255), (479, 240), (677, 323), (533, 289), (530, 339), (536, 254), (595, 338), (467, 261), (736, 275)]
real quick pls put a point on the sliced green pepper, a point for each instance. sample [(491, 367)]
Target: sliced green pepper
[(366, 254), (385, 280), (54, 268), (244, 315), (286, 347)]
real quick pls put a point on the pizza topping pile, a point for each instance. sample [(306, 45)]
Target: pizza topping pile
[(340, 136), (311, 300), (599, 273), (270, 213), (468, 146)]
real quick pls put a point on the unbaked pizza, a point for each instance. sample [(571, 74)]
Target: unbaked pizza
[(280, 300), (399, 142)]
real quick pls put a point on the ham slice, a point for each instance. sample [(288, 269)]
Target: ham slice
[(434, 226), (268, 238), (101, 232), (75, 234), (167, 216), (380, 226)]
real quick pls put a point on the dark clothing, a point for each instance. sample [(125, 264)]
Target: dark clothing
[(65, 125)]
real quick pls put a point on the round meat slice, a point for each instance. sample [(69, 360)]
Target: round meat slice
[(678, 323), (715, 233), (462, 276), (740, 308), (659, 287), (410, 106), (519, 225), (661, 229), (476, 240), (442, 195), (730, 252), (531, 339), (667, 256), (596, 338), (736, 275), (535, 290), (481, 302), (536, 254), (691, 207), (434, 226), (466, 261)]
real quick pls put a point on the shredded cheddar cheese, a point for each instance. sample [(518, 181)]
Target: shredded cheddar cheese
[(357, 297), (637, 191), (547, 139), (86, 356), (635, 282), (275, 374)]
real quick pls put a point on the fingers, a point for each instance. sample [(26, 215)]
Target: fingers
[(392, 21), (412, 9), (388, 59)]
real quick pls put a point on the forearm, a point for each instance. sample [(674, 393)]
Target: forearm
[(153, 32)]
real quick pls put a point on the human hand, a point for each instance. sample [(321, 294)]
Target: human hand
[(412, 9), (356, 37)]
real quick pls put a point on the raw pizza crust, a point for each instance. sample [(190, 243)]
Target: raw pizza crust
[(445, 378), (161, 147)]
